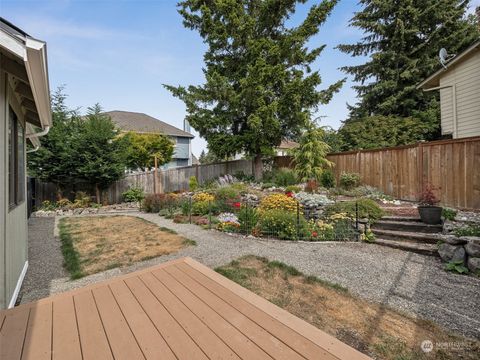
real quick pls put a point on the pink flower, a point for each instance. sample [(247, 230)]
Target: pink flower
[(314, 234), (289, 194)]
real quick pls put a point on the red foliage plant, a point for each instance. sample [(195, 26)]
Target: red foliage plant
[(311, 186), (427, 196)]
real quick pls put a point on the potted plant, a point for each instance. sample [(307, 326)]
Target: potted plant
[(427, 209)]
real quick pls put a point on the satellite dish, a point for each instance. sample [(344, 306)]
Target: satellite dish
[(445, 57)]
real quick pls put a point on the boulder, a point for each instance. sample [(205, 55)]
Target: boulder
[(451, 252), (77, 211), (453, 240), (473, 247), (449, 226), (473, 264)]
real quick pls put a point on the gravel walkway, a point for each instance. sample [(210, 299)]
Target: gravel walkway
[(406, 281)]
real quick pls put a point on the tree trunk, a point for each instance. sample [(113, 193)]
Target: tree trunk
[(97, 190), (59, 193), (258, 167)]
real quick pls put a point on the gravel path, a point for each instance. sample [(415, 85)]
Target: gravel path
[(409, 282)]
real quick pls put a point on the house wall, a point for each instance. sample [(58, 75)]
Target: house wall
[(13, 238), (466, 78)]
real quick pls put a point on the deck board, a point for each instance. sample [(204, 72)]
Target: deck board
[(177, 310)]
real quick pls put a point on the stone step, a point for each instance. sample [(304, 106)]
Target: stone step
[(402, 218), (408, 226), (406, 236), (419, 248)]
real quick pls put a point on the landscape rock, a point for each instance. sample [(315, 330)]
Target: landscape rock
[(473, 264), (449, 226), (473, 247), (451, 252), (453, 240)]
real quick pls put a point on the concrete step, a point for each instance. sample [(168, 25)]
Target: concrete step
[(419, 248), (405, 236), (408, 226), (402, 218)]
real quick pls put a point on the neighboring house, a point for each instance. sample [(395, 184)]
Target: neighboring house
[(145, 124), (24, 115), (281, 150), (285, 146), (459, 85)]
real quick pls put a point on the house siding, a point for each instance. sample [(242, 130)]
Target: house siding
[(13, 238), (465, 76)]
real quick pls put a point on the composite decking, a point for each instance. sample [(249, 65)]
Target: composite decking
[(177, 310)]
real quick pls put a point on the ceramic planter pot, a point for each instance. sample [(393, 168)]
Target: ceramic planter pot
[(430, 214)]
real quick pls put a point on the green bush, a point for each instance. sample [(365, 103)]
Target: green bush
[(449, 214), (193, 183), (281, 224), (248, 218), (284, 177), (470, 230), (227, 193), (48, 205), (349, 180), (327, 179), (367, 208), (82, 200), (267, 185), (153, 203), (64, 204), (204, 208), (133, 194), (293, 188)]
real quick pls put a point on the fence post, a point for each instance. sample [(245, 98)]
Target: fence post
[(298, 220), (190, 209)]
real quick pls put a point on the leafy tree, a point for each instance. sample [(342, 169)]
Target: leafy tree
[(332, 138), (55, 161), (259, 85), (101, 152), (143, 148), (402, 40), (310, 156)]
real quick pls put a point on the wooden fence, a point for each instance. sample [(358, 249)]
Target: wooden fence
[(450, 166)]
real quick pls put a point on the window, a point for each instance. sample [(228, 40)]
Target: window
[(16, 161)]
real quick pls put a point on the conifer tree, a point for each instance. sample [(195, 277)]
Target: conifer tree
[(402, 40), (259, 83)]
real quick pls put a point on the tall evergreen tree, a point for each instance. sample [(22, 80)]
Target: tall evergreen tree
[(260, 87), (402, 40)]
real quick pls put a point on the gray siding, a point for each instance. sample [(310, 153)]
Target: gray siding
[(3, 180), (182, 148), (465, 76)]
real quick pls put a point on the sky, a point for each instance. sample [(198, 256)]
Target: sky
[(119, 53)]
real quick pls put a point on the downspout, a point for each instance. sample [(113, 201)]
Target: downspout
[(454, 104), (36, 135)]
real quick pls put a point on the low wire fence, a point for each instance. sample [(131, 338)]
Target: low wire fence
[(287, 221)]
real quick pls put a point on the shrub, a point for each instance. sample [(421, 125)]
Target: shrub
[(311, 186), (203, 196), (267, 185), (193, 183), (278, 202), (293, 189), (427, 197), (312, 200), (240, 175), (470, 230), (64, 203), (282, 224), (367, 208), (327, 179), (204, 208), (349, 180), (48, 205), (153, 203), (284, 177), (449, 214), (248, 218), (227, 193), (133, 195), (82, 200)]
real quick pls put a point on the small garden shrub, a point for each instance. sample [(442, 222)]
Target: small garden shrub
[(227, 193), (293, 189), (284, 177), (203, 196), (367, 208), (248, 218), (278, 202), (64, 204), (48, 205), (133, 194), (327, 179), (153, 203), (349, 180), (82, 200), (449, 214), (267, 185), (205, 208), (311, 186), (312, 200), (470, 230), (193, 183), (281, 224)]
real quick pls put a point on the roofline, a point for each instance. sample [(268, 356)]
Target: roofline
[(451, 63)]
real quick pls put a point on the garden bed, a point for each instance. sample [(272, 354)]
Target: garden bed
[(97, 243), (371, 328)]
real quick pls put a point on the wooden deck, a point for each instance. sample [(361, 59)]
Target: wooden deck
[(177, 310)]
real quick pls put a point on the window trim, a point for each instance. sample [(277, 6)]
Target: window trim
[(13, 137)]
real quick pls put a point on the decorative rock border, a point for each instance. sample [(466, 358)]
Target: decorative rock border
[(123, 207)]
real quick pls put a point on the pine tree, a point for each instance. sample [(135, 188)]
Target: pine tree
[(402, 40), (260, 87), (202, 157)]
